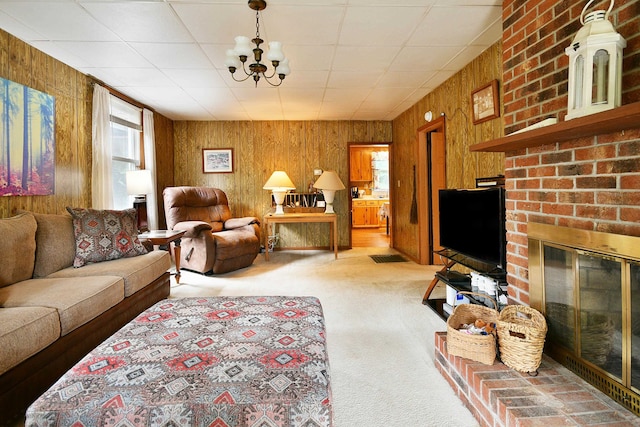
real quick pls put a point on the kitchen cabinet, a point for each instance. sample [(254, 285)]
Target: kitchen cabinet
[(360, 165), (365, 213)]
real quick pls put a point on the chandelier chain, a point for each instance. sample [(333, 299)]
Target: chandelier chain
[(257, 25)]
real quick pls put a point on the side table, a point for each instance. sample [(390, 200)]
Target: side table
[(301, 217), (165, 237)]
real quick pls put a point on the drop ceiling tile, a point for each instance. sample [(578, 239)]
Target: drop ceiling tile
[(353, 79), (464, 57), (255, 95), (308, 57), (58, 21), (368, 58), (372, 29), (173, 55), (105, 54), (301, 96), (216, 23), (18, 29), (305, 79), (469, 2), (300, 115), (192, 78), (141, 77), (309, 25), (423, 58), (490, 35), (381, 97), (392, 2), (140, 22), (57, 51), (410, 79), (439, 78), (305, 2), (347, 96), (437, 28)]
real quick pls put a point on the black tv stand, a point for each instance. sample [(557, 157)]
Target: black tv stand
[(454, 277), (457, 280)]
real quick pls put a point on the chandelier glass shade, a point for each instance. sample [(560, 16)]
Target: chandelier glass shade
[(246, 48)]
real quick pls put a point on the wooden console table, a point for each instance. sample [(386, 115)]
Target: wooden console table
[(295, 218), (164, 238)]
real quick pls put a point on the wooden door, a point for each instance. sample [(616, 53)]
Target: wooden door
[(438, 179), (431, 177)]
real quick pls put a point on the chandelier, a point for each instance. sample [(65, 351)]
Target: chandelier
[(243, 50)]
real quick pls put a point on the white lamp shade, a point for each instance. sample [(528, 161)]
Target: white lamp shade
[(279, 181), (232, 59), (275, 52), (139, 182), (243, 46), (329, 180), (283, 67)]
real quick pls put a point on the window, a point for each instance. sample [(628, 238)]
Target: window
[(126, 127)]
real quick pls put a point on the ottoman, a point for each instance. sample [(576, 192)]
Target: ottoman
[(221, 361)]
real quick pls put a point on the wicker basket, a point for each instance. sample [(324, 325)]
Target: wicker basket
[(521, 334), (481, 348)]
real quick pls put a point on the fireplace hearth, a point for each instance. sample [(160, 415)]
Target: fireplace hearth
[(587, 284)]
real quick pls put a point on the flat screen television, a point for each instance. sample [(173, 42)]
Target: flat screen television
[(472, 222)]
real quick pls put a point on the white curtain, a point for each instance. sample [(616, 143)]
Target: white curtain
[(150, 164), (101, 187)]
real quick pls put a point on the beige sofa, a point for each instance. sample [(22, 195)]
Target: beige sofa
[(51, 313)]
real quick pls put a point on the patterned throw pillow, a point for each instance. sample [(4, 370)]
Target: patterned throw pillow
[(103, 235)]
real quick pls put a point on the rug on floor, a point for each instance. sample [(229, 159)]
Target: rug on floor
[(387, 258)]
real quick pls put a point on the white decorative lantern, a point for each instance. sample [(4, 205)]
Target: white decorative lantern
[(595, 65)]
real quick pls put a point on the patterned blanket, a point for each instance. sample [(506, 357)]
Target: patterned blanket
[(225, 361)]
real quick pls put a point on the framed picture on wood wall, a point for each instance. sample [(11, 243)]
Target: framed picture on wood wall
[(484, 103), (217, 160)]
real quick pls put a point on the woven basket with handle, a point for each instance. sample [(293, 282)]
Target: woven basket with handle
[(521, 334), (481, 348)]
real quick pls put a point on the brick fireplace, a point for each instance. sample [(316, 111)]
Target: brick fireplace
[(587, 181)]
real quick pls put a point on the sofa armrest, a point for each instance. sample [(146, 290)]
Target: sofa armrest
[(192, 228), (232, 223)]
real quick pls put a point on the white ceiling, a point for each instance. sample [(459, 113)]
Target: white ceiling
[(349, 59)]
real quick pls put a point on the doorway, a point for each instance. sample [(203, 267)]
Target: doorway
[(431, 178), (369, 194)]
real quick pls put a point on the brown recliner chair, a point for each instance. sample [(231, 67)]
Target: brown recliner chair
[(214, 242)]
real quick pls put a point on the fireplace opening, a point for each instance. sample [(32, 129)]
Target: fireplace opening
[(587, 284)]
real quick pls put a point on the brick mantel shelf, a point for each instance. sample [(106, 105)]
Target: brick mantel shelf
[(618, 119)]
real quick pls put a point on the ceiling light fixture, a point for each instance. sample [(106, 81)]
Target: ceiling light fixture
[(242, 50)]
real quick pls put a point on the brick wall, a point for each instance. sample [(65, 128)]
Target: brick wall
[(535, 67), (590, 183)]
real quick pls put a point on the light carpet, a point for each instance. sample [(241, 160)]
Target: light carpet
[(380, 337)]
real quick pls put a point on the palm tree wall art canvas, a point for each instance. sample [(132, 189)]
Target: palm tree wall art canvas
[(27, 154)]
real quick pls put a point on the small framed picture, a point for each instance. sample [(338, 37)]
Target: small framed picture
[(484, 102), (217, 160)]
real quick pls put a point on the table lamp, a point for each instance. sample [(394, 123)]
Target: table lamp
[(279, 183), (329, 182), (139, 184)]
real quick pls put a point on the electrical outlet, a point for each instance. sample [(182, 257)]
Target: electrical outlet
[(317, 172)]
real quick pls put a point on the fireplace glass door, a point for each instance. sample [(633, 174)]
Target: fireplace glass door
[(600, 289), (634, 282), (584, 304), (587, 284)]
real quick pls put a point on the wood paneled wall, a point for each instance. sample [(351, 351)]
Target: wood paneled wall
[(259, 148), (453, 98), (73, 92)]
